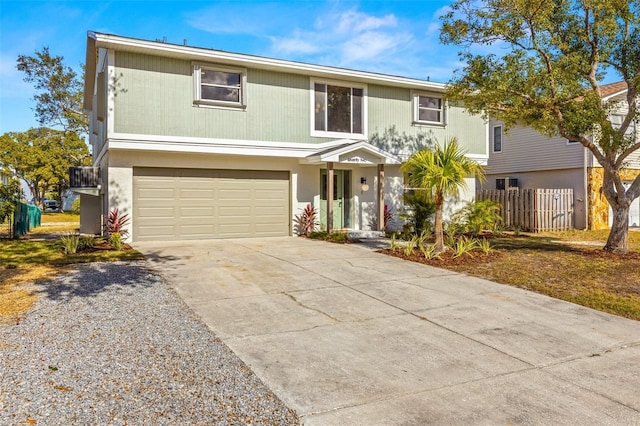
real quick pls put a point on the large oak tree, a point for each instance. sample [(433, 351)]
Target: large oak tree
[(549, 61)]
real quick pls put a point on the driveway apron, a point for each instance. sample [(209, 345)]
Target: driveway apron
[(344, 335)]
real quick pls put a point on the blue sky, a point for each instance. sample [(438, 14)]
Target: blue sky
[(394, 37)]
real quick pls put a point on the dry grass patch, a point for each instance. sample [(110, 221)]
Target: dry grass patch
[(16, 290), (25, 262)]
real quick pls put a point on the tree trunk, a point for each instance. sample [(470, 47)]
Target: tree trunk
[(618, 241), (438, 228)]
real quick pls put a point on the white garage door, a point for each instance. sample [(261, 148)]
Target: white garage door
[(182, 204)]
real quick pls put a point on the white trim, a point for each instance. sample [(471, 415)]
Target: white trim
[(218, 56), (339, 83), (227, 146)]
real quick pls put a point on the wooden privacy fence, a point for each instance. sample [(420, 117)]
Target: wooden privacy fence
[(533, 210)]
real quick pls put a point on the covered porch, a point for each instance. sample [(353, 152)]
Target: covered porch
[(346, 177)]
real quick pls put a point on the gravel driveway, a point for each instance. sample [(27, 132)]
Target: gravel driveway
[(110, 343)]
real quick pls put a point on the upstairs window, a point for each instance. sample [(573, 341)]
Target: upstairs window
[(338, 110), (497, 138), (428, 109), (220, 86)]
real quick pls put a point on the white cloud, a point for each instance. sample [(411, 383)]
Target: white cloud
[(353, 21), (371, 45), (294, 45)]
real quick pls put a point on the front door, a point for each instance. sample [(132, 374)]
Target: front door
[(341, 198)]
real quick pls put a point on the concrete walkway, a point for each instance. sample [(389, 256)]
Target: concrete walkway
[(346, 336)]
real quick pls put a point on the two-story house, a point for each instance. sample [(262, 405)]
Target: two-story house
[(524, 158), (196, 143)]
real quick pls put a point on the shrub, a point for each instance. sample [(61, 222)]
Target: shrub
[(419, 212), (307, 221), (115, 223), (431, 252), (484, 246), (464, 245), (70, 242), (115, 239), (479, 216), (334, 237), (75, 206), (86, 242)]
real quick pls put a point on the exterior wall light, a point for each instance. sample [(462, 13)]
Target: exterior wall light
[(363, 182)]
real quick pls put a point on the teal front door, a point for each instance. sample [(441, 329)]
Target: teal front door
[(341, 198)]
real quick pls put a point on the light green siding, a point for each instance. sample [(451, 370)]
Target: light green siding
[(154, 95), (390, 106)]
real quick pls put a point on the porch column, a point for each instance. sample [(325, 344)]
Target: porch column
[(381, 197), (329, 196)]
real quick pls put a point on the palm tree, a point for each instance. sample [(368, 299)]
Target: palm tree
[(441, 173)]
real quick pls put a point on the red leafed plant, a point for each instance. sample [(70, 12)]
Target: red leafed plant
[(115, 222), (307, 221), (388, 216)]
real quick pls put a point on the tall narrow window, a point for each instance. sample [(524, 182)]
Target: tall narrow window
[(497, 138), (338, 109)]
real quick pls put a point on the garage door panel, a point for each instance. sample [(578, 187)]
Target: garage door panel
[(199, 204)]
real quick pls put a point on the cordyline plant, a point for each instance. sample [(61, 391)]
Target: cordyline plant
[(307, 221), (115, 222)]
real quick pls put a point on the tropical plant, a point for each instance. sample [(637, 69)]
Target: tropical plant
[(389, 216), (70, 242), (307, 221), (115, 222), (86, 242), (553, 59), (464, 245), (477, 216), (115, 239), (393, 244), (418, 211), (411, 245), (430, 252), (441, 173), (485, 246)]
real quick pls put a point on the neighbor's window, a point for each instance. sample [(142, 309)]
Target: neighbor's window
[(428, 109), (497, 138), (338, 109), (220, 86)]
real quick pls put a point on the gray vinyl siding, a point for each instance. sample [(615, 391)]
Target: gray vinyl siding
[(524, 149), (154, 96)]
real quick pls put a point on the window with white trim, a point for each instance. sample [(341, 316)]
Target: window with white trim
[(338, 110), (428, 109), (497, 138), (220, 86)]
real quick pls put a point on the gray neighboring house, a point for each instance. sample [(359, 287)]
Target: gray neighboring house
[(198, 143), (523, 158)]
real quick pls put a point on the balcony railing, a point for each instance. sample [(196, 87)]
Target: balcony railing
[(84, 177)]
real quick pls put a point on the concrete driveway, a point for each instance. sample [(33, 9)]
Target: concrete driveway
[(346, 336)]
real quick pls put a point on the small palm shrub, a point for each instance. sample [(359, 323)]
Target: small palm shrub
[(418, 212), (479, 216), (86, 242), (307, 221)]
